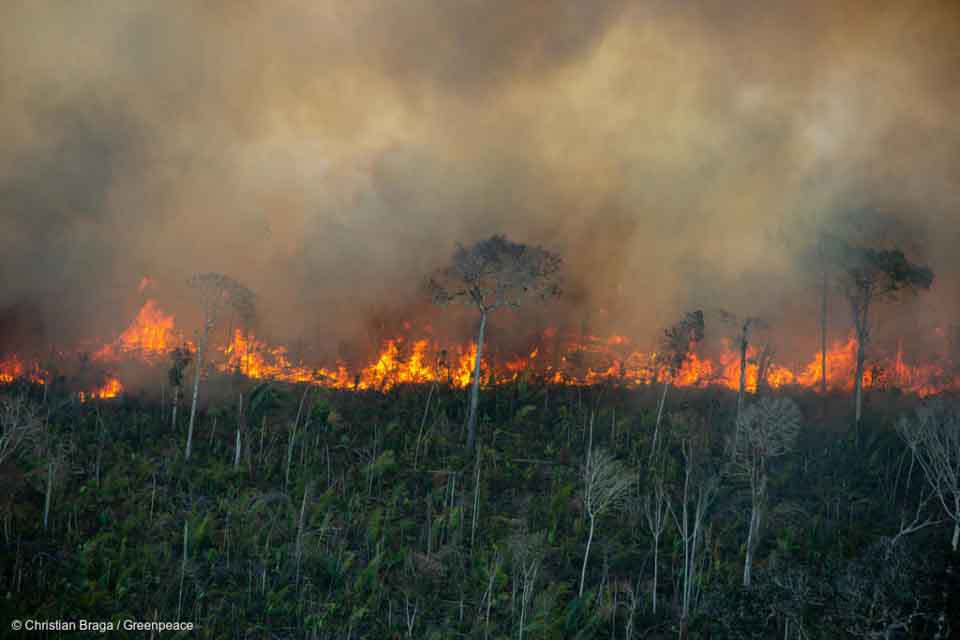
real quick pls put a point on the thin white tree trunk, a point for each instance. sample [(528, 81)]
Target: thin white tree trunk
[(656, 428), (196, 388), (475, 389), (956, 534), (586, 554)]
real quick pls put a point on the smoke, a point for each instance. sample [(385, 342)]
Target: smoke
[(329, 154)]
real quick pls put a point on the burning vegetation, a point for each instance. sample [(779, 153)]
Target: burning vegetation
[(553, 356)]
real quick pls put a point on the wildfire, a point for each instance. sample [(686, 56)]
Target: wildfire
[(555, 358)]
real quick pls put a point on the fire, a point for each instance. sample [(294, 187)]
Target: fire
[(555, 358), (109, 389), (150, 336)]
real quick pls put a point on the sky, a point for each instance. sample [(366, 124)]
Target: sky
[(330, 155)]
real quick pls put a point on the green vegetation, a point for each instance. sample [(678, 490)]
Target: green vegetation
[(354, 515)]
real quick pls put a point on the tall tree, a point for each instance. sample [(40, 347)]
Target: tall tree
[(765, 430), (215, 291), (488, 275), (868, 276), (676, 344)]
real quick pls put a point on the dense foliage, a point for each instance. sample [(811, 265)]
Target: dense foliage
[(360, 515)]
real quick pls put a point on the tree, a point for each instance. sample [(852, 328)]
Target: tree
[(765, 430), (676, 344), (527, 551), (744, 328), (655, 507), (698, 493), (605, 484), (19, 423), (488, 275), (179, 361), (933, 437), (868, 276), (215, 291)]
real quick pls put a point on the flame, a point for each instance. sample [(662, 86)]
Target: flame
[(150, 336), (556, 358)]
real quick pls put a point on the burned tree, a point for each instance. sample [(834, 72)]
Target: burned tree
[(215, 291), (179, 361), (491, 274), (933, 437), (676, 344), (868, 276), (744, 329), (765, 430)]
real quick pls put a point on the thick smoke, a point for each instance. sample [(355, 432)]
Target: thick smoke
[(329, 155)]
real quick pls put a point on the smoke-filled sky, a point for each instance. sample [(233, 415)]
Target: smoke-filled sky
[(330, 154)]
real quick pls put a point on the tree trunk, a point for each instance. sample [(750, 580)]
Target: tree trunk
[(475, 388), (858, 380), (586, 554), (196, 388), (751, 543), (743, 372), (176, 402), (823, 333), (956, 534), (656, 428), (656, 554)]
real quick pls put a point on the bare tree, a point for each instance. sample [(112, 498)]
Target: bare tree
[(179, 361), (605, 484), (765, 430), (744, 327), (698, 493), (215, 291), (19, 424), (655, 508), (933, 437), (488, 275), (676, 345), (527, 551), (866, 277)]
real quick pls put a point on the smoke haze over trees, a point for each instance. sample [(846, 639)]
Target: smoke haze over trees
[(328, 155)]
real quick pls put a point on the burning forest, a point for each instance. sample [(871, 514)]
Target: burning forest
[(571, 319)]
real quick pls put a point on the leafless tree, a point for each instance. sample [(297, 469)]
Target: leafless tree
[(697, 495), (605, 483), (744, 329), (676, 344), (655, 508), (866, 277), (179, 361), (933, 436), (19, 424), (488, 275), (765, 430), (527, 551), (216, 291)]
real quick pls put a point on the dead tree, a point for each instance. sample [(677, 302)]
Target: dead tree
[(744, 327), (488, 275), (655, 507), (179, 361), (869, 276), (676, 344), (765, 430), (215, 291), (697, 495), (933, 437), (605, 484), (19, 424), (527, 551)]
